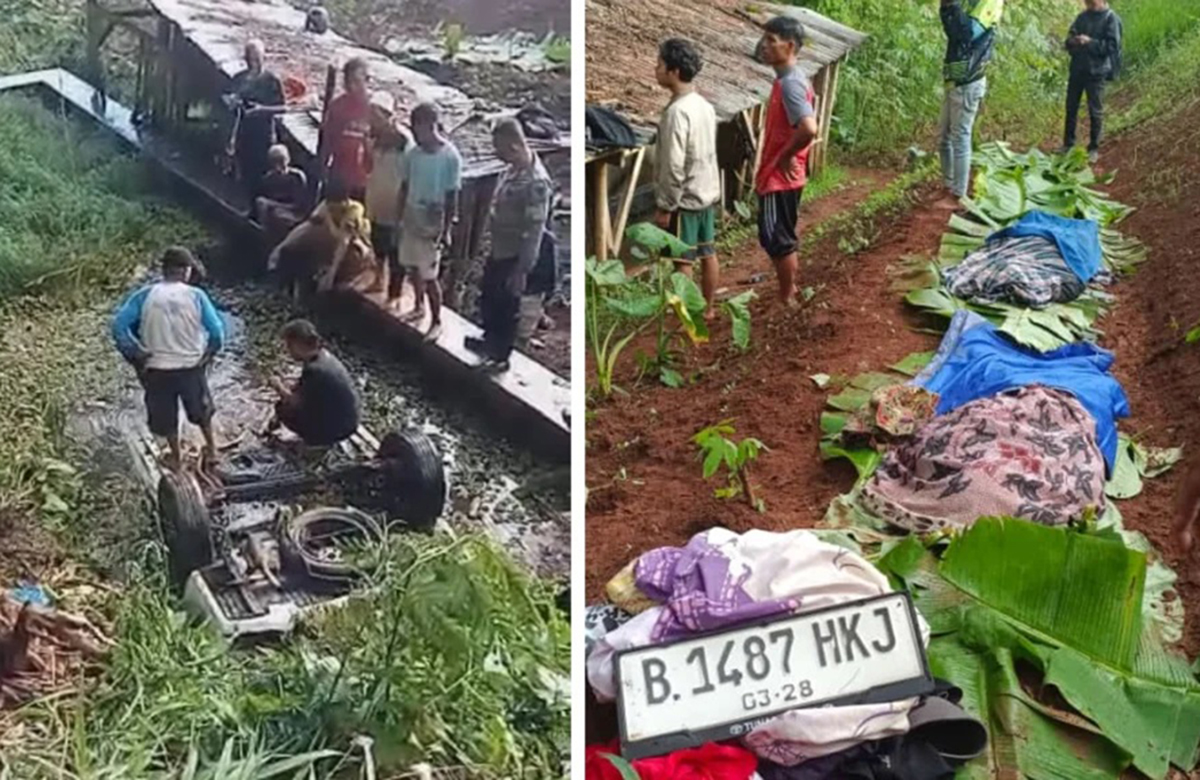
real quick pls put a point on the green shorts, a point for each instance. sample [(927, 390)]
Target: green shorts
[(697, 229)]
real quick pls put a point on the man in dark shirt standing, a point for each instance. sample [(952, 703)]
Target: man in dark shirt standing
[(323, 406), (970, 38), (258, 98), (1094, 43)]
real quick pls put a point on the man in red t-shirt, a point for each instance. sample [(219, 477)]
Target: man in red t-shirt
[(790, 129), (346, 154)]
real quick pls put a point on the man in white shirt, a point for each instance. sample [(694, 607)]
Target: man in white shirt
[(688, 181), (169, 331)]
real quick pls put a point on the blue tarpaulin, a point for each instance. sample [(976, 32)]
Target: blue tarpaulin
[(976, 361), (1078, 239)]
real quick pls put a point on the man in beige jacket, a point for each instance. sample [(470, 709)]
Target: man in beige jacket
[(688, 181)]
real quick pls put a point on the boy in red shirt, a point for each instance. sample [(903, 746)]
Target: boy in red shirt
[(346, 154), (790, 129)]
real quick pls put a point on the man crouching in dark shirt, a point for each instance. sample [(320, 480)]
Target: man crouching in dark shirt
[(323, 406)]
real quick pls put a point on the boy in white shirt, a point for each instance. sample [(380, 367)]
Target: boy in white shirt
[(430, 184)]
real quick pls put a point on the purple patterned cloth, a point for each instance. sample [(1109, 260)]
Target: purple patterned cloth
[(699, 590)]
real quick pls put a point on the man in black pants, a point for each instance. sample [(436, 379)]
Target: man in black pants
[(1094, 42), (518, 264), (323, 407)]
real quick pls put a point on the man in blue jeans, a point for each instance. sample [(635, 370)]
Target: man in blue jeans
[(970, 39)]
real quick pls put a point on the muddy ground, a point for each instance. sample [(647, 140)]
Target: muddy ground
[(645, 483), (483, 471)]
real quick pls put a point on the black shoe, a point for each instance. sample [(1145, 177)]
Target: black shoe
[(494, 366)]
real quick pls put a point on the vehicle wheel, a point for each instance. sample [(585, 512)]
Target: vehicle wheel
[(183, 517), (414, 479)]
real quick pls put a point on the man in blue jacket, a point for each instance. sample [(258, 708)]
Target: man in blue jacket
[(1094, 43), (169, 331), (970, 39)]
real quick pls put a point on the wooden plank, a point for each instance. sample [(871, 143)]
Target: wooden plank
[(835, 71), (600, 230), (631, 186)]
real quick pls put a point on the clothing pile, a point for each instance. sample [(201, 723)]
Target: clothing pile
[(1039, 260), (893, 413), (721, 580), (1017, 433)]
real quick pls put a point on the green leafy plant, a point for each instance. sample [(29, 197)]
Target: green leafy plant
[(452, 40), (717, 450), (557, 49), (1071, 607), (602, 280), (737, 309)]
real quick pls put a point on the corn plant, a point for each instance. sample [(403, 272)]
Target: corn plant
[(717, 450)]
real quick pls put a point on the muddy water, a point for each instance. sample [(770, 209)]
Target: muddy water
[(484, 473)]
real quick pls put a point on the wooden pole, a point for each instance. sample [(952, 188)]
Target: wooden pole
[(618, 234), (833, 92), (600, 230), (330, 87)]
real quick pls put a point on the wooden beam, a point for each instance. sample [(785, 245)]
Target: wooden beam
[(618, 234), (600, 231), (833, 91), (318, 174)]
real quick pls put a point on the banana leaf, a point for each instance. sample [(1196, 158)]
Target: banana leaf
[(1071, 606), (1136, 463), (913, 364)]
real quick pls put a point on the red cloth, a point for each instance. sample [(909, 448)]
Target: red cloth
[(777, 134), (347, 127), (708, 762)]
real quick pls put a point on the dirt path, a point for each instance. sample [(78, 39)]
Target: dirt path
[(646, 487), (1159, 172), (645, 481)]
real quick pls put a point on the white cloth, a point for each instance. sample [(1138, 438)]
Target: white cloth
[(383, 187), (794, 566), (172, 326), (685, 171)]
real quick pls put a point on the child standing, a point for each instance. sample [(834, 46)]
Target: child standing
[(383, 193), (431, 177)]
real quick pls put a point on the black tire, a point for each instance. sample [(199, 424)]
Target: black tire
[(187, 532), (414, 478)]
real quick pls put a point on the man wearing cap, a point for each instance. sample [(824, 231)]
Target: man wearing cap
[(169, 331), (257, 99)]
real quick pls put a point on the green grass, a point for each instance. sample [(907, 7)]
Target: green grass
[(1154, 26), (891, 90), (451, 659), (74, 213), (1159, 91)]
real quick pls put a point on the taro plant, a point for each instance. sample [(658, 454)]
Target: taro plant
[(604, 284), (717, 450)]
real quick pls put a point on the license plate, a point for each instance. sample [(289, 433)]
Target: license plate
[(720, 686)]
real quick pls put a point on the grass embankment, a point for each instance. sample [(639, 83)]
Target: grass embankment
[(450, 662)]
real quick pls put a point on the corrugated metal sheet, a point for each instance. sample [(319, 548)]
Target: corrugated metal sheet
[(622, 48), (221, 28)]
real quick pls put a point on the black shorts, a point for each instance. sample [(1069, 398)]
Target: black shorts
[(385, 242), (166, 389), (778, 213)]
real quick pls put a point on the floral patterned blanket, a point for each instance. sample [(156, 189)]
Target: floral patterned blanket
[(1029, 453)]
